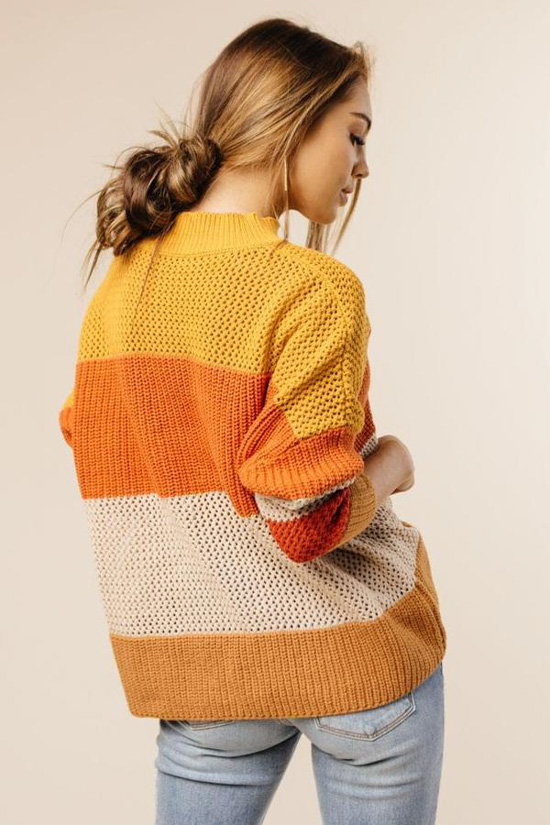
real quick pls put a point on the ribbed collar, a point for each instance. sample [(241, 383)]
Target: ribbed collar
[(207, 231)]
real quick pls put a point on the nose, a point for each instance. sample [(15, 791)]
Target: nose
[(361, 171)]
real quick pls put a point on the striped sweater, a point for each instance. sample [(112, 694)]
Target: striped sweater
[(219, 423)]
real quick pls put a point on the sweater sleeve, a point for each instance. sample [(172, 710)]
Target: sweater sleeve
[(298, 457), (65, 418)]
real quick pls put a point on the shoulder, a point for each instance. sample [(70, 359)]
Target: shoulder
[(311, 266), (321, 291)]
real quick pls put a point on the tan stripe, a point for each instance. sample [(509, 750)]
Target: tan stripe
[(190, 564), (347, 667)]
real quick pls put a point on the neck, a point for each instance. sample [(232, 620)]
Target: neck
[(241, 189)]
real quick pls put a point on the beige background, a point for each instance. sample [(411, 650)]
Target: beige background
[(451, 241)]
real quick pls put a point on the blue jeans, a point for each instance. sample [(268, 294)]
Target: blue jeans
[(380, 766)]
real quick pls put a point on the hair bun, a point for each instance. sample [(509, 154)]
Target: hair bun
[(216, 148), (203, 149)]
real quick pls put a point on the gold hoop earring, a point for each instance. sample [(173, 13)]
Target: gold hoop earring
[(285, 188)]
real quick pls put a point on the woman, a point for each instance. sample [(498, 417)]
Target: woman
[(257, 582)]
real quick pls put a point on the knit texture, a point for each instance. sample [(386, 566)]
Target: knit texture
[(219, 428)]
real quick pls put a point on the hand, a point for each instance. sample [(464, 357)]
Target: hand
[(404, 460), (406, 485)]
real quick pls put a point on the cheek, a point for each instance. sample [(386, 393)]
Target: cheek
[(311, 170), (322, 168), (339, 158)]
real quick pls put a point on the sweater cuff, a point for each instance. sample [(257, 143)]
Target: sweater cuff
[(363, 506)]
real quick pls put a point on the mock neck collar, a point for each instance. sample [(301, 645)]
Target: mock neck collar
[(207, 231)]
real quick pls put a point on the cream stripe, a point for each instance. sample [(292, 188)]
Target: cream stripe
[(190, 564)]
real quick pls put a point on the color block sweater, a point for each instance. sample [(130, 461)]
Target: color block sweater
[(219, 427)]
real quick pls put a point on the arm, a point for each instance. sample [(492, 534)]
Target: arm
[(385, 469), (65, 418), (298, 456)]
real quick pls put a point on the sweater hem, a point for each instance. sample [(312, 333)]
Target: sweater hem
[(290, 673)]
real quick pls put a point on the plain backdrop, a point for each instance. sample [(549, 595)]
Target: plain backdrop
[(450, 239)]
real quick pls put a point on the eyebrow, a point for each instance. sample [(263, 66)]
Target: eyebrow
[(364, 117)]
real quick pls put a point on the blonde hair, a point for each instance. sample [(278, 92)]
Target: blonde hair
[(259, 98)]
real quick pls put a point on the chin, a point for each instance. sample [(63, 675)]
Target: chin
[(326, 217), (323, 216)]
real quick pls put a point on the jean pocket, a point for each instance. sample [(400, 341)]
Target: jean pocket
[(196, 724), (368, 724)]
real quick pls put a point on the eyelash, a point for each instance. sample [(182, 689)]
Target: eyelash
[(359, 140)]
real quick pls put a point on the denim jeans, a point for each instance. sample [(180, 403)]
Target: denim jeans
[(380, 766)]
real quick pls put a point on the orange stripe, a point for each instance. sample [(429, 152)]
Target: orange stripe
[(65, 417), (174, 426), (300, 538)]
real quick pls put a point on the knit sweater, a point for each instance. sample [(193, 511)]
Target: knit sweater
[(219, 424)]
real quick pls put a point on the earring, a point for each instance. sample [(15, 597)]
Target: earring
[(285, 186)]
